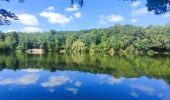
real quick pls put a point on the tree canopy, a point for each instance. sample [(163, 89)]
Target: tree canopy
[(121, 39)]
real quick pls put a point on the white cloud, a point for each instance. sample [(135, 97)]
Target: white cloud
[(25, 80), (142, 11), (115, 18), (73, 90), (78, 15), (110, 18), (11, 30), (72, 8), (135, 4), (134, 20), (166, 15), (50, 8), (55, 81), (103, 22), (28, 19), (31, 29), (56, 18)]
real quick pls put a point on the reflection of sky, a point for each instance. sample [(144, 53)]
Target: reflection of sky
[(39, 84), (24, 80)]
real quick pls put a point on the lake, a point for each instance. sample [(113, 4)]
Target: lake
[(83, 77)]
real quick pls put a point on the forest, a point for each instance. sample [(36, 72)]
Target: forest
[(119, 39)]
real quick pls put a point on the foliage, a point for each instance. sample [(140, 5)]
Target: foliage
[(78, 47), (123, 39)]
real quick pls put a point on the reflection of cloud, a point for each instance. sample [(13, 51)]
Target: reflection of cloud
[(165, 96), (148, 90), (110, 80), (73, 90), (77, 84), (29, 70), (113, 81), (160, 95), (165, 86), (133, 79), (55, 81), (160, 92), (51, 90), (134, 94), (25, 80)]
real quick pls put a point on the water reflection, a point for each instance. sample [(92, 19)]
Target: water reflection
[(66, 85), (52, 77), (24, 80)]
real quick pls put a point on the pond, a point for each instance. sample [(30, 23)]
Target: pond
[(83, 77)]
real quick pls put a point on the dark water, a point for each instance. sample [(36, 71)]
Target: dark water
[(83, 77)]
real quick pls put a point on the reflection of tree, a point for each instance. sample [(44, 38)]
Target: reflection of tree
[(117, 66)]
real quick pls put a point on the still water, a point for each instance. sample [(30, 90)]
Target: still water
[(83, 77)]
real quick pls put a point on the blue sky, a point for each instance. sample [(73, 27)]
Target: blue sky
[(44, 15)]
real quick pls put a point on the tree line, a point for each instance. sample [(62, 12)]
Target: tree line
[(122, 39)]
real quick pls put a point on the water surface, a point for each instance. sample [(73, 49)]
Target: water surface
[(83, 77)]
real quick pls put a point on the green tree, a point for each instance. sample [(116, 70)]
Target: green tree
[(78, 47)]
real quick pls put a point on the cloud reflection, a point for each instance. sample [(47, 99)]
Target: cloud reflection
[(105, 79), (29, 70), (25, 80), (161, 93), (77, 83), (55, 81), (146, 89), (73, 90), (134, 94)]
